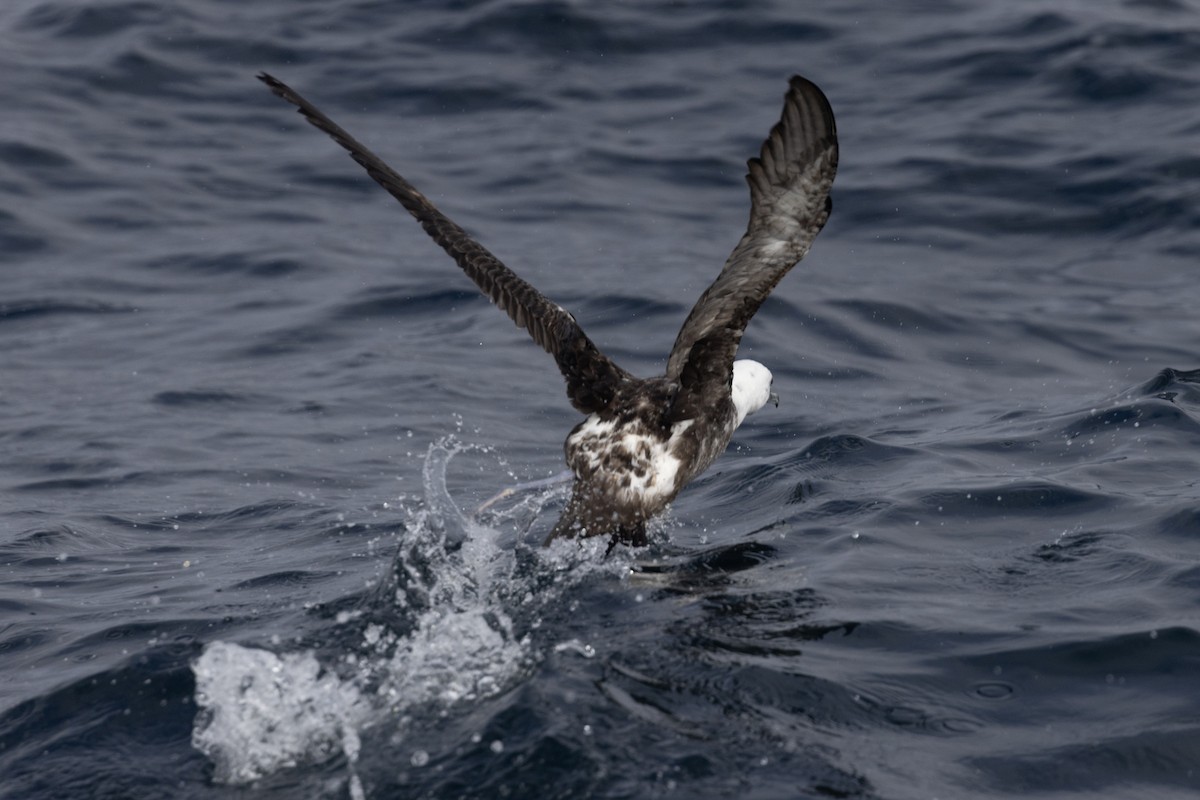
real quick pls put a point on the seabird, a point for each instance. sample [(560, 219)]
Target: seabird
[(644, 439)]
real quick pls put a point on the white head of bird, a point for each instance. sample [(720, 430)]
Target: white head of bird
[(751, 388)]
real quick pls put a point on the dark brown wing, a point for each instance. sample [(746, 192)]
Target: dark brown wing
[(591, 376), (789, 204)]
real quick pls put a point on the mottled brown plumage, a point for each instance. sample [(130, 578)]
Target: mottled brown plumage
[(644, 439)]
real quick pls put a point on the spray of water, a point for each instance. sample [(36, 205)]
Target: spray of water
[(455, 597)]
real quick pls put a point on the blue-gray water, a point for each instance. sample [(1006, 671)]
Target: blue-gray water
[(959, 561)]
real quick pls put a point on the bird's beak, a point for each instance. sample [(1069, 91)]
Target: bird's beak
[(774, 398)]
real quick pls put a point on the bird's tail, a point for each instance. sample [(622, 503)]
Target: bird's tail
[(584, 517)]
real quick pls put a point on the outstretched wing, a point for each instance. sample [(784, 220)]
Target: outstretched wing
[(789, 204), (591, 376)]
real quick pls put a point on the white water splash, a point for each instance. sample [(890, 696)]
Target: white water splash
[(262, 712)]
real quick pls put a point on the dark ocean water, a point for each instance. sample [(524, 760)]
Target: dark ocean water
[(244, 400)]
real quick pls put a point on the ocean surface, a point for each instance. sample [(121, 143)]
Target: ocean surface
[(252, 420)]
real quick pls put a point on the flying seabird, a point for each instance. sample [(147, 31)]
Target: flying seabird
[(644, 439)]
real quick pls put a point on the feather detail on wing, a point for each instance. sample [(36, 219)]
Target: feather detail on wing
[(592, 378), (789, 204)]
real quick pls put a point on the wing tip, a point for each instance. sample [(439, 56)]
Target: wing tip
[(809, 108), (801, 89), (274, 84), (806, 127), (288, 94)]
